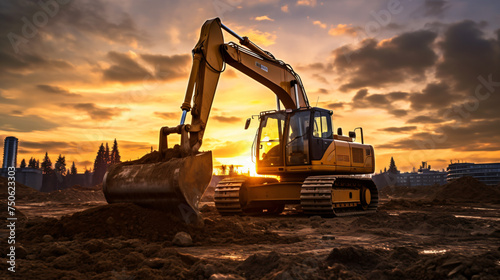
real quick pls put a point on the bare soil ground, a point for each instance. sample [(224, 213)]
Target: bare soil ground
[(416, 234)]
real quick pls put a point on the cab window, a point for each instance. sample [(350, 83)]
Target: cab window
[(322, 125)]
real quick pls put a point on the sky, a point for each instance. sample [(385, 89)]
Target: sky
[(421, 77)]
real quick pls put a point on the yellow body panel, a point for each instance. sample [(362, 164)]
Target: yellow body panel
[(337, 159)]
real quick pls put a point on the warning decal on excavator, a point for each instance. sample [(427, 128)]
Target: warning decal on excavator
[(263, 67)]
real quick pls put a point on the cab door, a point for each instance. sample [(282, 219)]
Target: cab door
[(322, 134)]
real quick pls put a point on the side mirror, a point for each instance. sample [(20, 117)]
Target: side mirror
[(247, 124), (352, 134), (339, 131)]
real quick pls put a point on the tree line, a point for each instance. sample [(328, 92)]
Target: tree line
[(105, 157)]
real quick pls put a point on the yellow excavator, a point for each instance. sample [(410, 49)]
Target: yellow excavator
[(323, 172)]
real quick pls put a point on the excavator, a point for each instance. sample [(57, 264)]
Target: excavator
[(320, 172)]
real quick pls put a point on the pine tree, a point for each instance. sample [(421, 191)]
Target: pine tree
[(115, 154), (107, 155), (37, 166), (73, 169), (46, 165), (392, 166), (60, 166), (100, 166), (23, 164), (32, 163)]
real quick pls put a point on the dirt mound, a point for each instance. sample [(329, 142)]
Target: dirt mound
[(258, 265), (132, 221), (464, 189), (76, 193), (23, 192), (468, 189), (156, 156), (419, 223)]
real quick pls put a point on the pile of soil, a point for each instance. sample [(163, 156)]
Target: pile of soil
[(408, 263), (445, 225), (23, 192), (468, 189), (76, 193), (464, 189), (156, 156), (127, 220)]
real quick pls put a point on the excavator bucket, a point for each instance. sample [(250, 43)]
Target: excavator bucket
[(175, 185)]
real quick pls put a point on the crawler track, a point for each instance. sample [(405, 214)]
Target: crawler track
[(316, 195), (227, 196)]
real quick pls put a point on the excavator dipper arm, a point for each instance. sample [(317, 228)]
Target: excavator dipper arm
[(209, 58)]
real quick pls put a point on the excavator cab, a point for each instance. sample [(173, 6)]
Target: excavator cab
[(292, 138)]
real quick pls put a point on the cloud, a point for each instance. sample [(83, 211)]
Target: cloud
[(320, 78), (284, 9), (424, 119), (74, 26), (322, 91), (42, 146), (435, 7), (224, 119), (26, 123), (433, 96), (344, 29), (124, 69), (55, 90), (260, 38), (398, 129), (262, 18), (97, 18), (316, 66), (95, 112), (467, 55), (474, 136), (134, 146), (310, 3), (362, 99), (169, 68), (398, 112), (320, 24), (5, 100), (230, 149), (167, 116), (335, 105), (376, 64)]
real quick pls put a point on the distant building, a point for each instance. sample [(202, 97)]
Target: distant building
[(423, 177), (10, 152), (30, 177), (488, 173)]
